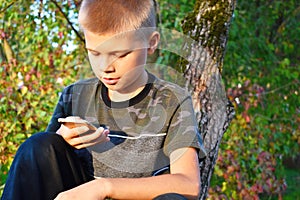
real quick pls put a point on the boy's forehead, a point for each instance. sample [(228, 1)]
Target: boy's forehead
[(110, 42)]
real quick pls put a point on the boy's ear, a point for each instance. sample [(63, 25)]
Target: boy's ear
[(153, 42)]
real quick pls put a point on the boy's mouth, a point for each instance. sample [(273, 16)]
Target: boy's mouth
[(110, 81)]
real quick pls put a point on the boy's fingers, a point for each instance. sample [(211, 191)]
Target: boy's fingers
[(84, 145), (77, 131), (91, 139), (79, 137), (90, 135), (69, 134)]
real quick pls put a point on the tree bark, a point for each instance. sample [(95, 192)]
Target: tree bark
[(208, 26)]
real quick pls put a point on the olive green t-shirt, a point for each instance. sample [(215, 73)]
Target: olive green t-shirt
[(144, 130)]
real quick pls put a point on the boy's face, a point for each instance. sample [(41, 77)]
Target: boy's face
[(118, 60)]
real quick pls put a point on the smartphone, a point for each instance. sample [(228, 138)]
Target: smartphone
[(76, 121)]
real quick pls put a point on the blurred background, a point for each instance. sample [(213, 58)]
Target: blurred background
[(42, 51)]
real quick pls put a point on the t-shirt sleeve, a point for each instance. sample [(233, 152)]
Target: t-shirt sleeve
[(183, 130), (62, 109)]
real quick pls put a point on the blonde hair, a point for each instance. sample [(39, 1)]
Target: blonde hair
[(115, 16)]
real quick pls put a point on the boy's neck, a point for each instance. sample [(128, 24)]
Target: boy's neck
[(131, 92)]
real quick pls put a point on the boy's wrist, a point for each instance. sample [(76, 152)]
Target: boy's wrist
[(105, 186)]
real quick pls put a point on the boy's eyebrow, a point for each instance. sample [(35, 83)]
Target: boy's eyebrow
[(90, 49), (112, 52)]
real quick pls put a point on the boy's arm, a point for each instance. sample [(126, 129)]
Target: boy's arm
[(184, 179), (63, 109)]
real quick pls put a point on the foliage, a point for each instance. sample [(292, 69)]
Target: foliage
[(262, 72), (171, 14)]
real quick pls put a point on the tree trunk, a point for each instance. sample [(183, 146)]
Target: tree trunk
[(208, 26)]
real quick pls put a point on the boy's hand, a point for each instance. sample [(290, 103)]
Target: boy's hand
[(93, 190), (81, 135)]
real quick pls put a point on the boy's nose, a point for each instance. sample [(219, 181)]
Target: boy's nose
[(106, 64), (109, 68)]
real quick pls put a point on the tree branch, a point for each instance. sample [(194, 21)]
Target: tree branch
[(69, 22), (9, 5)]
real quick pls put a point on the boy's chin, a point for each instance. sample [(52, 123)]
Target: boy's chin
[(115, 87), (111, 87), (121, 89)]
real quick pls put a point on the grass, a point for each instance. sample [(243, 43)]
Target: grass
[(293, 186)]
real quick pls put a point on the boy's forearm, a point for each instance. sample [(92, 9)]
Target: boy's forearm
[(150, 187)]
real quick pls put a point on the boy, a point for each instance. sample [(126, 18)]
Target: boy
[(146, 144)]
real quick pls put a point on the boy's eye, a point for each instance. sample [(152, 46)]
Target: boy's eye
[(124, 55), (94, 53)]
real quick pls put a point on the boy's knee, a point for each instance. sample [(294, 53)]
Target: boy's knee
[(41, 138), (170, 196), (42, 142)]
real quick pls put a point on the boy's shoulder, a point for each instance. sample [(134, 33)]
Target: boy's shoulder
[(163, 86), (90, 82)]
